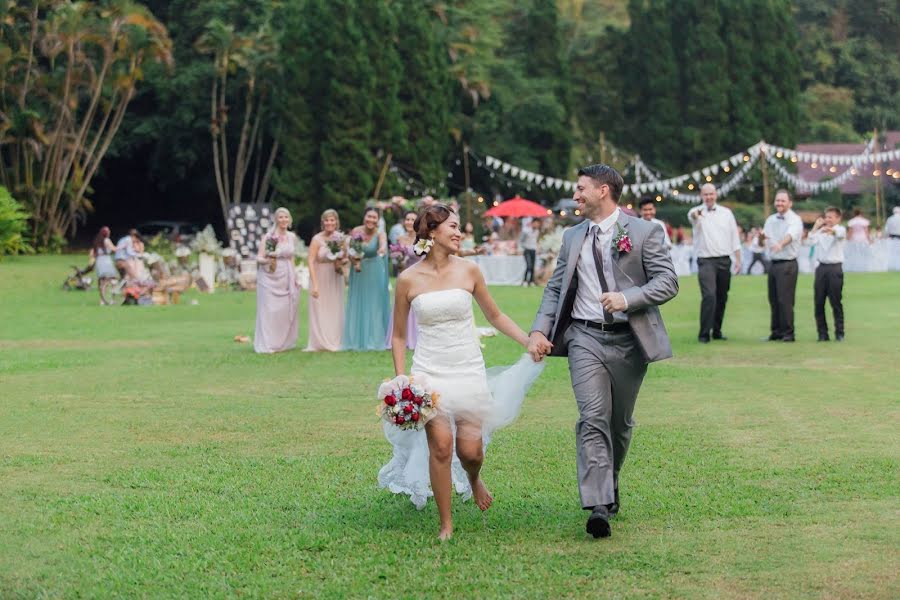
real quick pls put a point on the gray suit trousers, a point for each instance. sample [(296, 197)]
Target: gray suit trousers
[(607, 370)]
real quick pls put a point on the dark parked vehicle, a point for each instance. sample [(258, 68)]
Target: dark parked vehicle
[(179, 232)]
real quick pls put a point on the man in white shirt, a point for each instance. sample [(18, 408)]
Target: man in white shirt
[(783, 233), (829, 237), (648, 213), (892, 225), (716, 240)]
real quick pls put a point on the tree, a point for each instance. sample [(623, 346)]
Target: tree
[(703, 64), (743, 109), (653, 90), (426, 93), (70, 74), (250, 58), (776, 70)]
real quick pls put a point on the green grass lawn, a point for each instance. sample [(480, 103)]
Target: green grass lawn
[(144, 453)]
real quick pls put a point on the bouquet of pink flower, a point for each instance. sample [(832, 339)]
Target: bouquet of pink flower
[(407, 402), (272, 242), (356, 250), (335, 246), (400, 255)]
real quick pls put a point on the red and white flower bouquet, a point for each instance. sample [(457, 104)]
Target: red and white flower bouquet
[(407, 402)]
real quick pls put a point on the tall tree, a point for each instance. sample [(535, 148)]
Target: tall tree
[(703, 62), (776, 70), (743, 109), (69, 76), (653, 86), (426, 93)]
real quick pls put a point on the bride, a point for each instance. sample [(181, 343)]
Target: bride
[(473, 402)]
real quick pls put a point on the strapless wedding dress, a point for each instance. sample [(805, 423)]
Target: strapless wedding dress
[(449, 354)]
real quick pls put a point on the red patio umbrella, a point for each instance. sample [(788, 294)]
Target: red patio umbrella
[(518, 207)]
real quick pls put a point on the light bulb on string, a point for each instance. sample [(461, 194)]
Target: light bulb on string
[(709, 177), (793, 159)]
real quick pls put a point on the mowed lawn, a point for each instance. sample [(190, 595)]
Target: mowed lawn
[(144, 453)]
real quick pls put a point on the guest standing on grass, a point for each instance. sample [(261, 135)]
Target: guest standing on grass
[(829, 236), (102, 251), (277, 288), (783, 233), (716, 240), (368, 302), (326, 288), (528, 240)]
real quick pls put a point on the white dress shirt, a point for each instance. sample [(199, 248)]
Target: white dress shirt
[(777, 226), (715, 231), (830, 246), (665, 232), (587, 297), (892, 225)]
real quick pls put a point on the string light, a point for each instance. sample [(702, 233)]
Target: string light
[(709, 177), (832, 169), (690, 186), (577, 212), (629, 206), (746, 157), (814, 165), (659, 198), (481, 198), (876, 173), (779, 154), (562, 213), (726, 168), (496, 203), (793, 159), (674, 192)]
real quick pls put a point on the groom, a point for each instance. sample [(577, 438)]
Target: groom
[(600, 309)]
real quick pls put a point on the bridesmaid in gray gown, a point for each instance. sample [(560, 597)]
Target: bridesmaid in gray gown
[(277, 288)]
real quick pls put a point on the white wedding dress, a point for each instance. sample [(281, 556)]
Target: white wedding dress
[(448, 353)]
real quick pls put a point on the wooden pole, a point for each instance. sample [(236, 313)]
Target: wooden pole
[(878, 200), (764, 165), (381, 176), (467, 182)]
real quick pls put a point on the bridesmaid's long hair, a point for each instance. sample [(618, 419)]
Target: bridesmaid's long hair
[(98, 243), (430, 219)]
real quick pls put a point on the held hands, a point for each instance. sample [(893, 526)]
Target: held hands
[(538, 346), (613, 302)]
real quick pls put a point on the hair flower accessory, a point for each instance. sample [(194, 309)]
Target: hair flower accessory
[(621, 242), (423, 247)]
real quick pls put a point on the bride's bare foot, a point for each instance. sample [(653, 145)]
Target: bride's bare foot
[(445, 533), (481, 495)]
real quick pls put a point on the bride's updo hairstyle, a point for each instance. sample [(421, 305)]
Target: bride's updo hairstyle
[(430, 219)]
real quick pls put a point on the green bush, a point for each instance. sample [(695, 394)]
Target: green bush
[(13, 222)]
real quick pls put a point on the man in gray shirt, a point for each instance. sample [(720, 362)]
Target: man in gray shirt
[(528, 240)]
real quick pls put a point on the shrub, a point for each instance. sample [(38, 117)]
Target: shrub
[(13, 223)]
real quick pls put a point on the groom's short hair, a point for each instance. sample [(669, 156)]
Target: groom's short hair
[(605, 174)]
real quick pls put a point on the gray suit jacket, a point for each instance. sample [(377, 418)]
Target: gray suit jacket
[(645, 276)]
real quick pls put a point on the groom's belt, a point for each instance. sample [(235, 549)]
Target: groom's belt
[(612, 327)]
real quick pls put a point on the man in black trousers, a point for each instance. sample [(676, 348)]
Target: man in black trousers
[(716, 239), (829, 237), (783, 233)]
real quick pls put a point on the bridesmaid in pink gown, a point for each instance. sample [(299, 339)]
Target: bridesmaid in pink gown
[(277, 289), (326, 289)]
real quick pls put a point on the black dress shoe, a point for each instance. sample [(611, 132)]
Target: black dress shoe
[(823, 337), (703, 339), (719, 336), (788, 338), (774, 338), (839, 337), (598, 522)]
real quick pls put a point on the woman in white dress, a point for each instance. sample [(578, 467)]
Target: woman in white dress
[(473, 402)]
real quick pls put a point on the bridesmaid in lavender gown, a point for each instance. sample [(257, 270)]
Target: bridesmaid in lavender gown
[(407, 240), (326, 294), (277, 289)]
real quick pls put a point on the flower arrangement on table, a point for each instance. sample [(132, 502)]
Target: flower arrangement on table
[(335, 246), (356, 250), (272, 241), (407, 402)]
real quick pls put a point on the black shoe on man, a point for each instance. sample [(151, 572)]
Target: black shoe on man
[(823, 337), (598, 522)]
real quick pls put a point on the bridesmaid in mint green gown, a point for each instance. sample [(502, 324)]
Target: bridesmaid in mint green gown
[(368, 302)]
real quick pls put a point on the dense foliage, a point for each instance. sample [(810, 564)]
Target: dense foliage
[(338, 87)]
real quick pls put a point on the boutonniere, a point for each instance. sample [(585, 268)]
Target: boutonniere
[(621, 241)]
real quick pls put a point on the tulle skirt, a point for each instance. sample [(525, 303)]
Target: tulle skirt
[(407, 471)]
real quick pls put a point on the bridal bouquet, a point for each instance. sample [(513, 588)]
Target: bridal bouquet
[(356, 250), (407, 402), (272, 242)]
